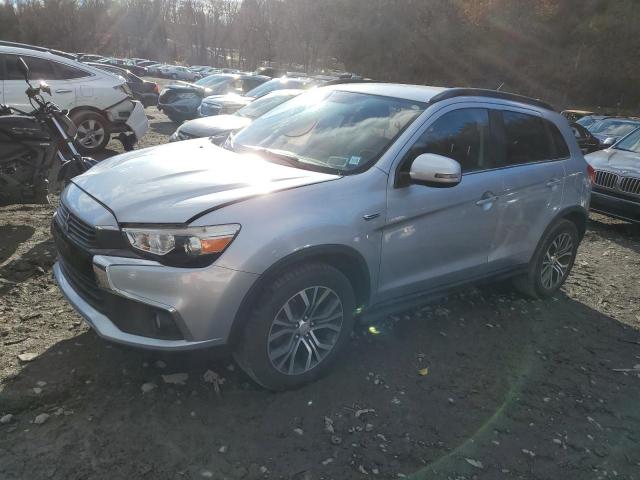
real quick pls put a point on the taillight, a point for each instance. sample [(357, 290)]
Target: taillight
[(156, 88), (592, 174)]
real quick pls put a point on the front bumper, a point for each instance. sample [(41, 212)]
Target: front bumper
[(200, 303), (614, 206)]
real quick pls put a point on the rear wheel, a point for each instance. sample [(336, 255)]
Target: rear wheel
[(297, 327), (552, 261), (93, 131)]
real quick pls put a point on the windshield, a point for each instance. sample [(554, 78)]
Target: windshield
[(275, 84), (630, 143), (617, 128), (262, 105), (586, 121), (332, 129)]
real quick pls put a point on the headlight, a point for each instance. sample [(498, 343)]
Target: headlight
[(186, 95), (191, 246)]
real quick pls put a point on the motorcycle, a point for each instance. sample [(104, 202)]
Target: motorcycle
[(37, 154)]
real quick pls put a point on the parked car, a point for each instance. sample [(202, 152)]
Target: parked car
[(589, 120), (138, 70), (154, 69), (99, 103), (176, 72), (144, 91), (616, 191), (343, 200), (575, 115), (229, 103), (180, 102), (218, 127), (586, 141), (610, 130)]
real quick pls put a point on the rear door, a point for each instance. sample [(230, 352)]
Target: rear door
[(40, 69), (533, 173)]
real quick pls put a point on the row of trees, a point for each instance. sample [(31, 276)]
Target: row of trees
[(584, 52)]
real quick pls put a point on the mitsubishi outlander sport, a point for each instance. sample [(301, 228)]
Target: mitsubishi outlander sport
[(345, 199)]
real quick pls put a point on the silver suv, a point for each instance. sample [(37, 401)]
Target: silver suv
[(345, 199)]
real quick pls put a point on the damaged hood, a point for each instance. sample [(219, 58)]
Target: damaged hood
[(175, 182), (615, 160)]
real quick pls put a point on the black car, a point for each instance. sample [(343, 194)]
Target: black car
[(616, 189), (586, 141), (143, 90), (181, 100)]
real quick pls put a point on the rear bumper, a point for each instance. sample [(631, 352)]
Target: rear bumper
[(616, 207)]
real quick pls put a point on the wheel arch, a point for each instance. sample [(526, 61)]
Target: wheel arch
[(343, 258)]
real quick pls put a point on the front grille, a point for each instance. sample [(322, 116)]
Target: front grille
[(630, 185), (606, 179), (76, 229), (84, 285), (613, 181)]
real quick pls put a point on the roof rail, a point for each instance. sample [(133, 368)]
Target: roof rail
[(26, 46), (483, 92)]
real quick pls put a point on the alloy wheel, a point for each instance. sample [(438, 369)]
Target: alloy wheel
[(556, 261), (90, 133), (305, 330)]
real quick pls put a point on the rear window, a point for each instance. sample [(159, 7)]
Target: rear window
[(67, 72), (526, 138)]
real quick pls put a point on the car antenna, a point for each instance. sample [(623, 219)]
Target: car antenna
[(499, 87)]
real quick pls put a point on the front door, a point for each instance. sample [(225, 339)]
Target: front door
[(439, 236)]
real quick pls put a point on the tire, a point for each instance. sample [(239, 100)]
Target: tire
[(264, 350), (88, 122), (543, 278), (174, 76)]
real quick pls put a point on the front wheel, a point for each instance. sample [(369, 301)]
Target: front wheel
[(552, 261), (298, 327)]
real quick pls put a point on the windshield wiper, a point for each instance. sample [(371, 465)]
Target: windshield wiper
[(288, 157)]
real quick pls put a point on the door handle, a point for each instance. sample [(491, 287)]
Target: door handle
[(553, 182), (487, 197), (63, 90)]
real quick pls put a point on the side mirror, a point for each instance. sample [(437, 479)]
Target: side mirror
[(24, 69), (609, 141), (435, 171)]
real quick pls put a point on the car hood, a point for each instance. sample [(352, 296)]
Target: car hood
[(614, 160), (207, 126), (176, 182)]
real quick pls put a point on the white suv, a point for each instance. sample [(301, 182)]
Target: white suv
[(99, 103)]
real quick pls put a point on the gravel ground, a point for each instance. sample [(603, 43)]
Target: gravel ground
[(513, 388)]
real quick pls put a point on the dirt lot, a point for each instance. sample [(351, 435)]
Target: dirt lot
[(516, 389)]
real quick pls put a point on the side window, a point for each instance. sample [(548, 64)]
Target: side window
[(39, 68), (462, 135), (67, 72), (526, 138), (560, 148)]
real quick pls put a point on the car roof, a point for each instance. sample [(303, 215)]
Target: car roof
[(416, 93), (428, 94)]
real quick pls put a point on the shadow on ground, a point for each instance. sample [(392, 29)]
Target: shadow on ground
[(513, 385)]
